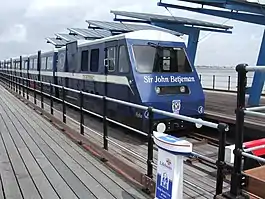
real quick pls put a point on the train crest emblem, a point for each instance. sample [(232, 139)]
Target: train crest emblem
[(176, 105)]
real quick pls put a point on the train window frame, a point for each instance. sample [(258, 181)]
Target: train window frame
[(30, 64), (164, 72), (108, 59), (49, 63), (92, 51), (43, 67), (84, 65), (25, 64), (35, 62), (127, 59)]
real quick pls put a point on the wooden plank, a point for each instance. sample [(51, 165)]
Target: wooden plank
[(34, 170), (109, 184), (40, 167), (72, 180), (8, 178), (25, 181)]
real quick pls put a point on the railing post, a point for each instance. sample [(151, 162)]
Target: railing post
[(35, 95), (236, 177), (105, 124), (150, 143), (41, 95), (27, 90), (200, 78), (64, 106), (81, 98), (51, 98), (213, 82), (16, 83), (23, 87), (20, 74), (229, 82), (220, 163)]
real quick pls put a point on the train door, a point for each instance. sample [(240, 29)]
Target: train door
[(111, 86)]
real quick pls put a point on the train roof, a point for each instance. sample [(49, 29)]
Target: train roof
[(155, 35)]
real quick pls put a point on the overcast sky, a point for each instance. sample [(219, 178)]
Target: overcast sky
[(26, 23)]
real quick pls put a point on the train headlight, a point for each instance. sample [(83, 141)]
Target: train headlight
[(161, 127), (157, 90), (182, 89)]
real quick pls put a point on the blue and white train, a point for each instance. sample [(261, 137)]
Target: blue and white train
[(146, 67)]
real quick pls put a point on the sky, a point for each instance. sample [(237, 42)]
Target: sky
[(24, 25)]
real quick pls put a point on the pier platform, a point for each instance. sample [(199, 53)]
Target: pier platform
[(221, 106), (39, 161), (127, 152)]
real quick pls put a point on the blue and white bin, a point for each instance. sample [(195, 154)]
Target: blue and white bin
[(171, 152)]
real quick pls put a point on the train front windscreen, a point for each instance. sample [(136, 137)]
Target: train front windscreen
[(160, 59)]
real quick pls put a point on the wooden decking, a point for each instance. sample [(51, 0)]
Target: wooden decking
[(222, 105), (38, 161), (199, 181)]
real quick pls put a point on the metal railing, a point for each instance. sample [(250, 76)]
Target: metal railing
[(17, 82), (223, 83), (241, 111)]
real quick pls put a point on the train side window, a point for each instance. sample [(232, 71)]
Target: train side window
[(30, 64), (25, 64), (35, 65), (123, 60), (49, 63), (111, 52), (84, 60), (94, 60), (43, 63)]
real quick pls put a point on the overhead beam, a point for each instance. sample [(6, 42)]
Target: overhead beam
[(250, 18), (243, 6), (259, 77)]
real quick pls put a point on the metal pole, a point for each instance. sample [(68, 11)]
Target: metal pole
[(150, 143), (213, 82), (221, 157), (236, 173), (51, 98), (35, 101), (81, 97), (105, 124), (64, 106), (229, 82), (41, 95), (20, 74), (27, 89), (28, 81)]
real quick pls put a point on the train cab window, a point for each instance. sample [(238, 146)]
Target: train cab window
[(161, 59), (123, 60), (111, 53), (49, 63), (94, 60), (43, 63), (84, 60)]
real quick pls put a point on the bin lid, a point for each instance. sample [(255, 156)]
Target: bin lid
[(172, 144)]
